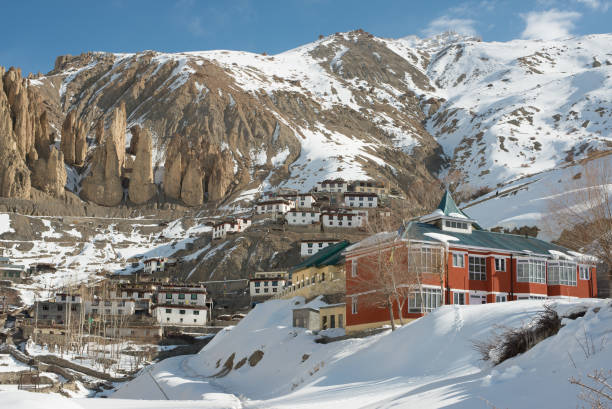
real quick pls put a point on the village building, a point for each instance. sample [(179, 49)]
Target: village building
[(320, 274), (332, 186), (11, 272), (281, 206), (343, 218), (182, 305), (62, 309), (41, 268), (221, 229), (307, 317), (312, 246), (458, 262), (332, 315), (303, 217), (370, 186), (267, 283), (305, 200), (360, 199), (143, 296), (154, 264), (109, 307)]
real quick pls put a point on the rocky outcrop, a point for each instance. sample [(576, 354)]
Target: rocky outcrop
[(103, 186), (26, 157), (221, 174), (74, 140), (192, 192), (142, 189)]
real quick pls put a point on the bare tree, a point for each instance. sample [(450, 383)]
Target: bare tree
[(581, 209), (597, 390)]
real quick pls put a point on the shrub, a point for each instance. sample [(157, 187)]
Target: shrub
[(510, 342)]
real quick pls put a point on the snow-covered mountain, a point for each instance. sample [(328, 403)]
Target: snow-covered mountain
[(355, 105)]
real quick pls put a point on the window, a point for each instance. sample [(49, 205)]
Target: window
[(562, 273), (266, 283), (458, 260), (45, 308), (265, 290), (459, 298), (500, 264), (427, 258), (196, 312), (340, 321), (257, 283), (120, 312), (168, 296), (94, 311), (354, 268), (182, 312), (194, 296), (274, 290), (181, 296), (477, 268), (584, 272), (501, 298), (168, 311), (60, 307), (324, 322), (425, 300), (332, 321), (354, 305), (257, 290), (531, 271), (73, 308), (168, 319)]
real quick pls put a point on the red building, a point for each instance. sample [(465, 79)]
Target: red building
[(460, 263)]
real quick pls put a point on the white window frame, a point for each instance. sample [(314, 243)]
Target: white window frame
[(432, 299), (536, 270), (584, 272), (459, 298), (354, 268), (354, 305), (459, 257), (562, 272), (498, 264), (501, 298), (472, 273)]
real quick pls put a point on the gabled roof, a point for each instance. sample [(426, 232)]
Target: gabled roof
[(480, 238), (448, 205), (328, 256)]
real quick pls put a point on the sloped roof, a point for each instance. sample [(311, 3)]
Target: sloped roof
[(448, 205), (482, 238), (328, 256)]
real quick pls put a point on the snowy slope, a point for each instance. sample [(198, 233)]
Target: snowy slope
[(429, 363)]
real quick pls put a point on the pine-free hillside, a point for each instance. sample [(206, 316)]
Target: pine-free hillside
[(226, 124)]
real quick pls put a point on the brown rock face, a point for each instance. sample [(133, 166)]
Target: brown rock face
[(192, 191), (74, 143), (142, 189), (221, 175), (103, 185), (24, 140)]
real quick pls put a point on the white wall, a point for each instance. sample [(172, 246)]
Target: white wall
[(173, 316), (265, 285)]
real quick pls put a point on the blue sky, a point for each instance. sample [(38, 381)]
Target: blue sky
[(34, 33)]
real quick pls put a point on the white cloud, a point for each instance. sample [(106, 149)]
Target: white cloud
[(548, 25), (596, 4), (446, 23)]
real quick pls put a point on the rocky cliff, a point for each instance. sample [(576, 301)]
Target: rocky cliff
[(27, 158)]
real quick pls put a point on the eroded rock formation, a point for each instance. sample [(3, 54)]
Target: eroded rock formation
[(103, 186), (26, 156), (142, 189), (192, 191)]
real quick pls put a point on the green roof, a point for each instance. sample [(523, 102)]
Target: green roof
[(448, 207), (481, 238), (328, 256)]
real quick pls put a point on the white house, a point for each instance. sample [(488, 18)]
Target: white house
[(305, 200), (183, 315), (296, 217), (181, 295), (68, 298), (274, 206), (111, 306), (267, 283), (221, 229), (344, 219), (155, 264), (332, 185), (360, 199), (310, 247)]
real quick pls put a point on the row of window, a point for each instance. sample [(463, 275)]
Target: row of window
[(352, 204), (181, 296), (266, 283), (456, 225), (182, 312), (274, 290)]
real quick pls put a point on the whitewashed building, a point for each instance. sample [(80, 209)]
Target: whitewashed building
[(267, 283), (182, 295), (111, 306), (274, 206), (305, 200), (154, 264), (221, 229), (332, 185), (360, 199), (304, 217), (344, 219), (310, 247), (181, 315)]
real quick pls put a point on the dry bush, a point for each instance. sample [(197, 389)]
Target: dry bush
[(597, 390), (510, 342)]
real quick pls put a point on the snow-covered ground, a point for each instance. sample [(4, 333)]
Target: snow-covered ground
[(429, 363)]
